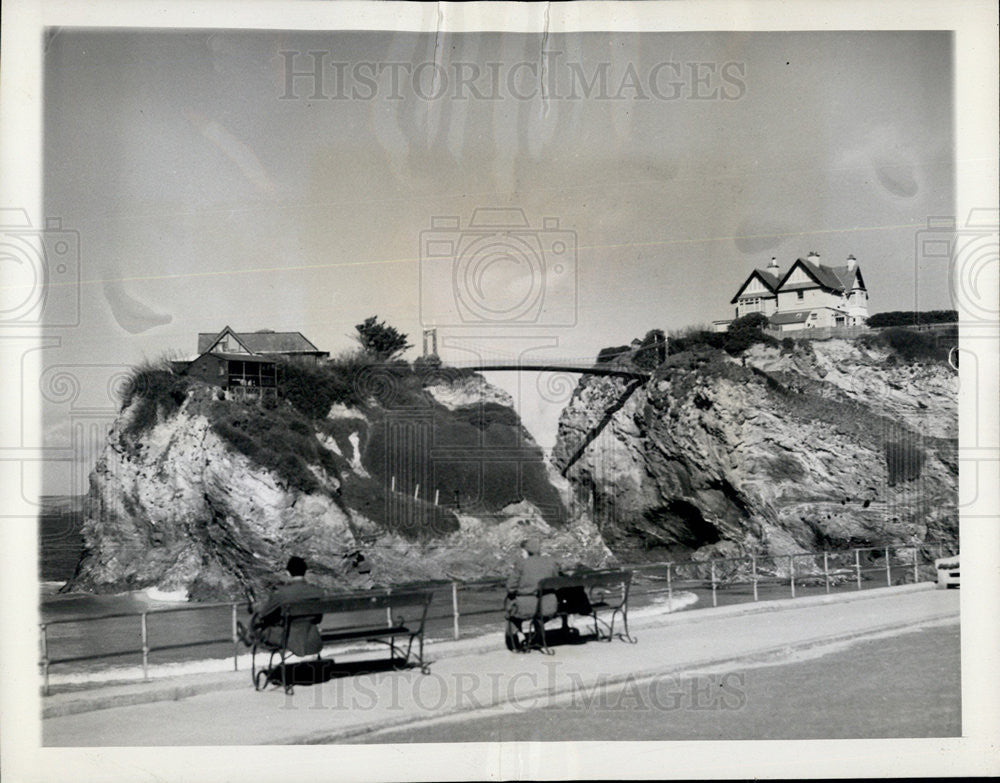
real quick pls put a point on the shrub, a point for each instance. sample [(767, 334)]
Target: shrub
[(159, 391), (787, 344), (606, 355), (309, 388), (912, 318), (424, 365), (744, 332), (695, 340), (749, 321)]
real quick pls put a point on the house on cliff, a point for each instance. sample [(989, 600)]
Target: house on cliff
[(245, 364), (808, 295)]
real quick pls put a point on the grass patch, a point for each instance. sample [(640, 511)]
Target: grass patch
[(479, 450), (398, 512), (279, 440)]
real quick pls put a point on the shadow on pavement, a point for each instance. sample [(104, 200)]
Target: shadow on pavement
[(317, 672)]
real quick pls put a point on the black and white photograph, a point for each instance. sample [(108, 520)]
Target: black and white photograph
[(499, 390)]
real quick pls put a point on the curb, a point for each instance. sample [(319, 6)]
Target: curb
[(759, 656), (151, 692)]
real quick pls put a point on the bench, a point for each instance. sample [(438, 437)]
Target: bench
[(606, 592), (381, 617)]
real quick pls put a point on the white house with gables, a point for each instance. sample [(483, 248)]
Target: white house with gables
[(808, 295)]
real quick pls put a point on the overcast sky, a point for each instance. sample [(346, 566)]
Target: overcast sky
[(206, 192)]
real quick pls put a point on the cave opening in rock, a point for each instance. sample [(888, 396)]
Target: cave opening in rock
[(678, 525)]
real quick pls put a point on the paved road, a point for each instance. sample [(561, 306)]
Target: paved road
[(473, 675), (906, 685)]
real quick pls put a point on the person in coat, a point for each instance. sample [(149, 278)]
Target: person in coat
[(529, 570), (303, 635)]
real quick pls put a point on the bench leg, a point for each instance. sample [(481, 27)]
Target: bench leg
[(626, 636), (289, 687), (253, 666)]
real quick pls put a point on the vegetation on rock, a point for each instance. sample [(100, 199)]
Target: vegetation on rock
[(912, 318), (380, 340), (158, 393)]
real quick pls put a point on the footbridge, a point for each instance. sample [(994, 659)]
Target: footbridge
[(552, 365)]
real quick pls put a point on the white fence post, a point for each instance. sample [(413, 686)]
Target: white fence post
[(454, 609), (236, 642), (45, 660), (670, 589), (145, 646), (826, 570), (888, 568), (916, 568), (791, 573), (715, 601), (857, 566), (753, 575)]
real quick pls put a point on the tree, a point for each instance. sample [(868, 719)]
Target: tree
[(380, 340), (749, 321), (745, 331)]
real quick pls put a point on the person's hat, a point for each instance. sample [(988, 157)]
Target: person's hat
[(532, 545)]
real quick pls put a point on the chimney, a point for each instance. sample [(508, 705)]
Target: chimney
[(852, 262), (773, 266), (813, 256)]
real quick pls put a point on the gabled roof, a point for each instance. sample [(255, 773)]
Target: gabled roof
[(262, 342), (837, 279), (769, 280), (207, 339)]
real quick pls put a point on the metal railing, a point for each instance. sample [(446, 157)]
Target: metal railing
[(478, 604)]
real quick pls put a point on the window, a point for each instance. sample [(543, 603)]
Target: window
[(800, 294)]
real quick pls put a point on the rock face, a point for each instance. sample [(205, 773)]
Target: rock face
[(824, 445), (210, 501)]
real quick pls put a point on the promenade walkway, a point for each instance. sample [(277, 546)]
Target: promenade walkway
[(474, 675)]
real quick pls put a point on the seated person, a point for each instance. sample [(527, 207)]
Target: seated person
[(528, 571), (303, 636)]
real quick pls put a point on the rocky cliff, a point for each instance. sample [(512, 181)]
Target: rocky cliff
[(801, 448), (209, 496)]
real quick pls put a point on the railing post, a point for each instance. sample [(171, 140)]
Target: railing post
[(857, 566), (454, 610), (145, 646), (236, 642), (388, 609), (715, 601), (916, 568), (437, 496), (888, 568), (791, 573), (670, 588), (753, 574), (45, 660), (826, 570)]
